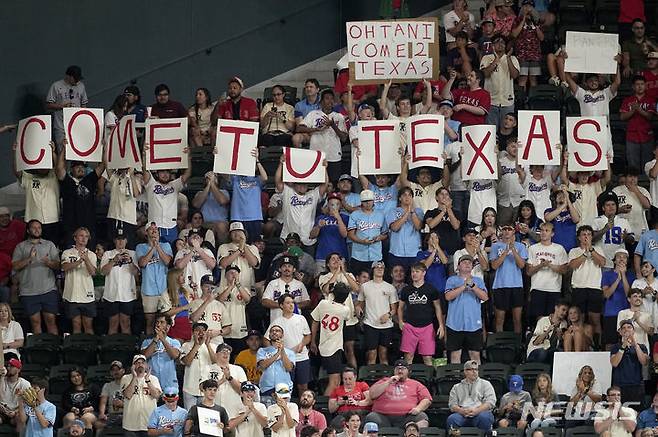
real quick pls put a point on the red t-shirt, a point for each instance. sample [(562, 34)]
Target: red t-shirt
[(638, 128), (358, 91), (437, 87), (479, 98), (248, 110), (11, 236), (399, 398), (652, 83), (629, 10), (5, 265), (171, 109), (356, 395)]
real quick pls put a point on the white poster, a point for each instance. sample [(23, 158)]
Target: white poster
[(587, 139), (379, 144), (209, 421), (167, 141), (539, 135), (589, 52), (33, 138), (425, 134), (304, 166), (567, 365), (235, 142), (479, 152), (84, 129), (122, 147)]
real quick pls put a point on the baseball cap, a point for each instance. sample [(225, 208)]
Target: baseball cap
[(626, 322), (78, 422), (199, 324), (116, 363), (652, 55), (446, 102), (170, 392), (131, 89), (208, 279), (293, 236), (282, 390), (232, 267), (236, 226), (295, 251), (515, 383), (334, 196), (378, 264), (120, 235), (466, 257), (469, 231), (367, 195), (138, 357), (370, 427), (624, 251), (471, 364), (401, 363), (237, 80), (487, 20), (247, 386), (288, 260), (254, 333), (345, 177), (224, 346), (528, 2), (15, 362), (77, 163)]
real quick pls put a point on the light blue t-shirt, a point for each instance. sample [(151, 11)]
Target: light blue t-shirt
[(508, 275), (276, 373), (648, 247), (162, 417), (154, 274), (245, 201), (212, 210), (161, 364), (464, 312), (454, 125), (405, 242), (33, 428), (386, 198), (367, 226)]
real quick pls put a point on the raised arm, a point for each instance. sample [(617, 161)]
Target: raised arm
[(383, 101), (278, 176)]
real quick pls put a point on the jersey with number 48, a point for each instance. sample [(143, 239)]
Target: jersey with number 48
[(332, 317)]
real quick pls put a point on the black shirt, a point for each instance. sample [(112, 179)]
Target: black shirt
[(419, 304), (448, 236), (193, 415), (78, 202)]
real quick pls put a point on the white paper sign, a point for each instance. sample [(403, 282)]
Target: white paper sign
[(589, 52), (381, 50), (84, 129), (379, 144), (479, 152), (567, 365), (304, 166), (209, 421), (587, 143), (122, 148), (167, 139), (33, 149), (235, 142), (425, 140), (539, 133)]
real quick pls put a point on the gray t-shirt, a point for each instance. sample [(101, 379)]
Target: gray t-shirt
[(36, 278), (62, 92), (113, 392)]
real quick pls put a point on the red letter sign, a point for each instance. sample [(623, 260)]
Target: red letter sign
[(296, 168), (33, 142), (167, 140), (479, 152), (425, 140), (586, 141), (122, 134), (235, 142), (539, 135), (84, 132), (379, 143)]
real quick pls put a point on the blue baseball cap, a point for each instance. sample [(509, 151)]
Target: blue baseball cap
[(515, 383), (370, 427), (170, 392)]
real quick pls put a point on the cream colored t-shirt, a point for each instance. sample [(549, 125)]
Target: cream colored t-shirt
[(226, 396), (331, 316), (500, 84), (198, 370), (138, 409), (41, 197), (247, 278), (274, 411), (78, 283)]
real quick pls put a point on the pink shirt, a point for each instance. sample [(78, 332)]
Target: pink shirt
[(400, 398), (315, 419)]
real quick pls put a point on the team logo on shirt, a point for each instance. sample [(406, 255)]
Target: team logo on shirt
[(36, 184), (163, 190), (507, 170), (245, 184), (652, 244), (479, 186), (297, 201), (415, 299), (537, 187), (589, 98), (382, 197), (363, 225)]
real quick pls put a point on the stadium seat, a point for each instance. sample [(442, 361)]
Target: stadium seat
[(581, 431), (422, 373), (29, 371), (509, 432), (544, 97), (438, 411), (80, 349), (388, 431), (496, 374), (8, 431), (99, 374), (572, 106), (374, 372), (59, 378), (432, 432), (530, 372), (122, 347), (42, 349), (551, 431), (503, 347), (447, 376), (112, 432), (470, 431)]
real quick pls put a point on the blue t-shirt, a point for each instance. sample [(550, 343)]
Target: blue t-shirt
[(212, 210), (618, 300), (276, 373), (564, 230), (161, 364), (303, 107), (329, 238), (464, 312), (140, 112), (353, 200), (454, 125), (648, 247), (405, 242), (367, 226), (508, 275), (629, 370), (436, 273), (154, 274), (162, 417), (245, 201), (647, 419), (386, 198), (33, 428)]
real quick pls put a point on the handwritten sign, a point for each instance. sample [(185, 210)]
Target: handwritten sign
[(303, 166), (587, 143), (122, 147), (479, 152), (591, 52), (167, 140), (539, 133), (379, 144), (401, 50), (425, 140), (235, 142), (83, 128), (33, 149)]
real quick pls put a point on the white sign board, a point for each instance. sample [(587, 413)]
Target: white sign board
[(479, 152), (167, 141), (567, 365), (379, 144), (539, 134), (303, 166), (33, 149), (235, 142), (587, 139), (122, 147), (209, 421), (425, 134), (83, 128), (589, 52)]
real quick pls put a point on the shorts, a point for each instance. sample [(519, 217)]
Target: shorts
[(609, 333), (114, 308), (459, 340), (301, 374), (589, 300), (507, 298), (542, 303), (375, 337), (422, 338), (350, 332), (529, 68), (75, 309), (334, 363), (47, 302), (150, 304)]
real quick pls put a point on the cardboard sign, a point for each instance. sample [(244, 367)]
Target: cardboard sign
[(425, 140), (235, 142), (567, 366), (591, 52), (167, 140), (587, 143), (122, 147), (405, 50), (539, 133), (33, 143), (303, 166), (379, 144), (83, 128), (479, 152)]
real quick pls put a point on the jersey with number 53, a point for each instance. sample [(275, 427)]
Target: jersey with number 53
[(613, 239), (332, 317)]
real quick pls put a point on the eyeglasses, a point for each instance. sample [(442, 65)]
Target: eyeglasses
[(163, 94), (277, 94)]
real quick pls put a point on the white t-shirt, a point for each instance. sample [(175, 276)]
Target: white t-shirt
[(246, 277), (546, 279), (299, 212), (123, 203), (325, 140), (78, 283), (215, 316), (236, 309), (226, 396), (137, 410), (331, 316), (509, 189), (196, 267), (274, 411), (477, 267), (640, 334), (588, 275), (250, 427), (163, 202), (594, 103), (354, 140), (277, 287), (617, 428), (324, 279), (653, 183), (120, 282), (294, 330), (456, 182), (648, 304), (542, 324), (500, 84), (275, 201), (378, 298), (13, 332), (8, 396), (198, 371), (449, 21), (539, 193), (613, 238), (41, 197), (585, 203), (636, 218), (483, 195)]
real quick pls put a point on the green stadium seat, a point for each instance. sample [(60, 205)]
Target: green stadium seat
[(81, 349), (42, 349)]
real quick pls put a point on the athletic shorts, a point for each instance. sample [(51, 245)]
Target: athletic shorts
[(507, 298), (422, 338), (114, 308), (529, 68), (334, 363), (47, 302), (302, 372), (350, 332), (375, 337), (463, 340), (589, 300), (542, 303), (74, 309), (150, 304)]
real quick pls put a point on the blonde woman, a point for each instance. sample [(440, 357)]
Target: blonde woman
[(12, 333), (542, 398), (176, 304)]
